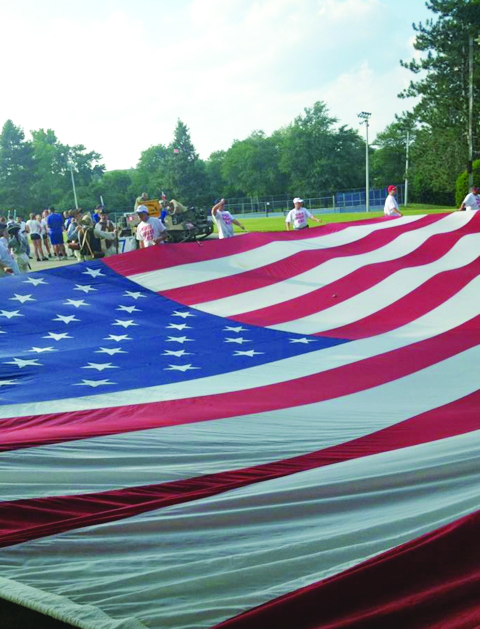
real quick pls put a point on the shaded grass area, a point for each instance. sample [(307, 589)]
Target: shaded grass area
[(277, 223)]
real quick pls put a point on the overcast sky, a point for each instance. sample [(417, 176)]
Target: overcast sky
[(116, 75)]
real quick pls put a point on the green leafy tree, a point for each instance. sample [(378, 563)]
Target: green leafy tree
[(216, 184), (115, 187), (388, 161), (251, 166), (17, 168), (462, 187), (316, 157)]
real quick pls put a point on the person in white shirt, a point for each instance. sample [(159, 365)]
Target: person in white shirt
[(34, 228), (46, 240), (150, 231), (472, 200), (299, 216), (224, 220), (391, 204)]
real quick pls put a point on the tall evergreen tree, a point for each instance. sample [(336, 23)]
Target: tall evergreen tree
[(186, 177), (443, 87)]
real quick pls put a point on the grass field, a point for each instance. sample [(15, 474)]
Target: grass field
[(277, 223)]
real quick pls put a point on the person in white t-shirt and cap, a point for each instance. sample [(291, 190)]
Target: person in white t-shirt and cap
[(299, 216), (224, 220), (150, 231), (472, 200), (391, 207)]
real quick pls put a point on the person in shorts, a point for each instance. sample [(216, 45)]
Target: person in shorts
[(45, 239), (55, 233), (299, 216), (34, 228)]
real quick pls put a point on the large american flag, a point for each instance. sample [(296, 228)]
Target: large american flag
[(275, 430)]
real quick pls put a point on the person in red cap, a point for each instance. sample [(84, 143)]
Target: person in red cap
[(391, 204), (472, 200)]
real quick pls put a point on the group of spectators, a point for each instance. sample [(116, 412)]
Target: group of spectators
[(53, 235)]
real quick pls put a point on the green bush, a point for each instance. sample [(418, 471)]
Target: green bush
[(462, 187)]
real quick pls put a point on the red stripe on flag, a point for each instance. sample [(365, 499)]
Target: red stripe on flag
[(430, 582), (289, 267), (436, 291), (355, 283), (23, 520), (31, 431), (155, 258)]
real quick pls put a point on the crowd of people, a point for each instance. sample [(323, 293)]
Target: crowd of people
[(52, 235)]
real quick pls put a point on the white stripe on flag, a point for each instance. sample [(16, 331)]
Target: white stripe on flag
[(386, 292), (327, 272), (181, 452), (460, 308), (193, 565), (228, 266)]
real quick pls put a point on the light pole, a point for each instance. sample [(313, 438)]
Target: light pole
[(405, 201), (70, 165), (365, 116)]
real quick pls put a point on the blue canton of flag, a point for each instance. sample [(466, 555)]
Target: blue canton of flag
[(84, 329)]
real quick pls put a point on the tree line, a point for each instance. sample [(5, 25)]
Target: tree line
[(312, 156)]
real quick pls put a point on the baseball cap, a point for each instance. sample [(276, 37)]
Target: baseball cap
[(390, 188), (297, 200), (142, 209)]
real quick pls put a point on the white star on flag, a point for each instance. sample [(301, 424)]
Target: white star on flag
[(93, 383), (129, 309), (110, 352), (178, 339), (100, 366), (178, 354), (237, 330), (250, 352), (10, 313), (304, 340), (184, 315), (240, 341), (22, 298), (66, 319), (75, 302), (41, 350), (118, 338), (4, 383), (133, 295), (180, 368), (86, 288), (178, 326), (125, 324), (57, 337), (93, 272), (19, 362), (35, 281)]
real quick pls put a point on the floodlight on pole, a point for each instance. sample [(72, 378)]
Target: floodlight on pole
[(365, 116), (70, 165)]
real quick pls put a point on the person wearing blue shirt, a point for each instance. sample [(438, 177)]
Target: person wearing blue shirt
[(55, 233)]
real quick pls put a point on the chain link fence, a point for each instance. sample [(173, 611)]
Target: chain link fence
[(345, 201)]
